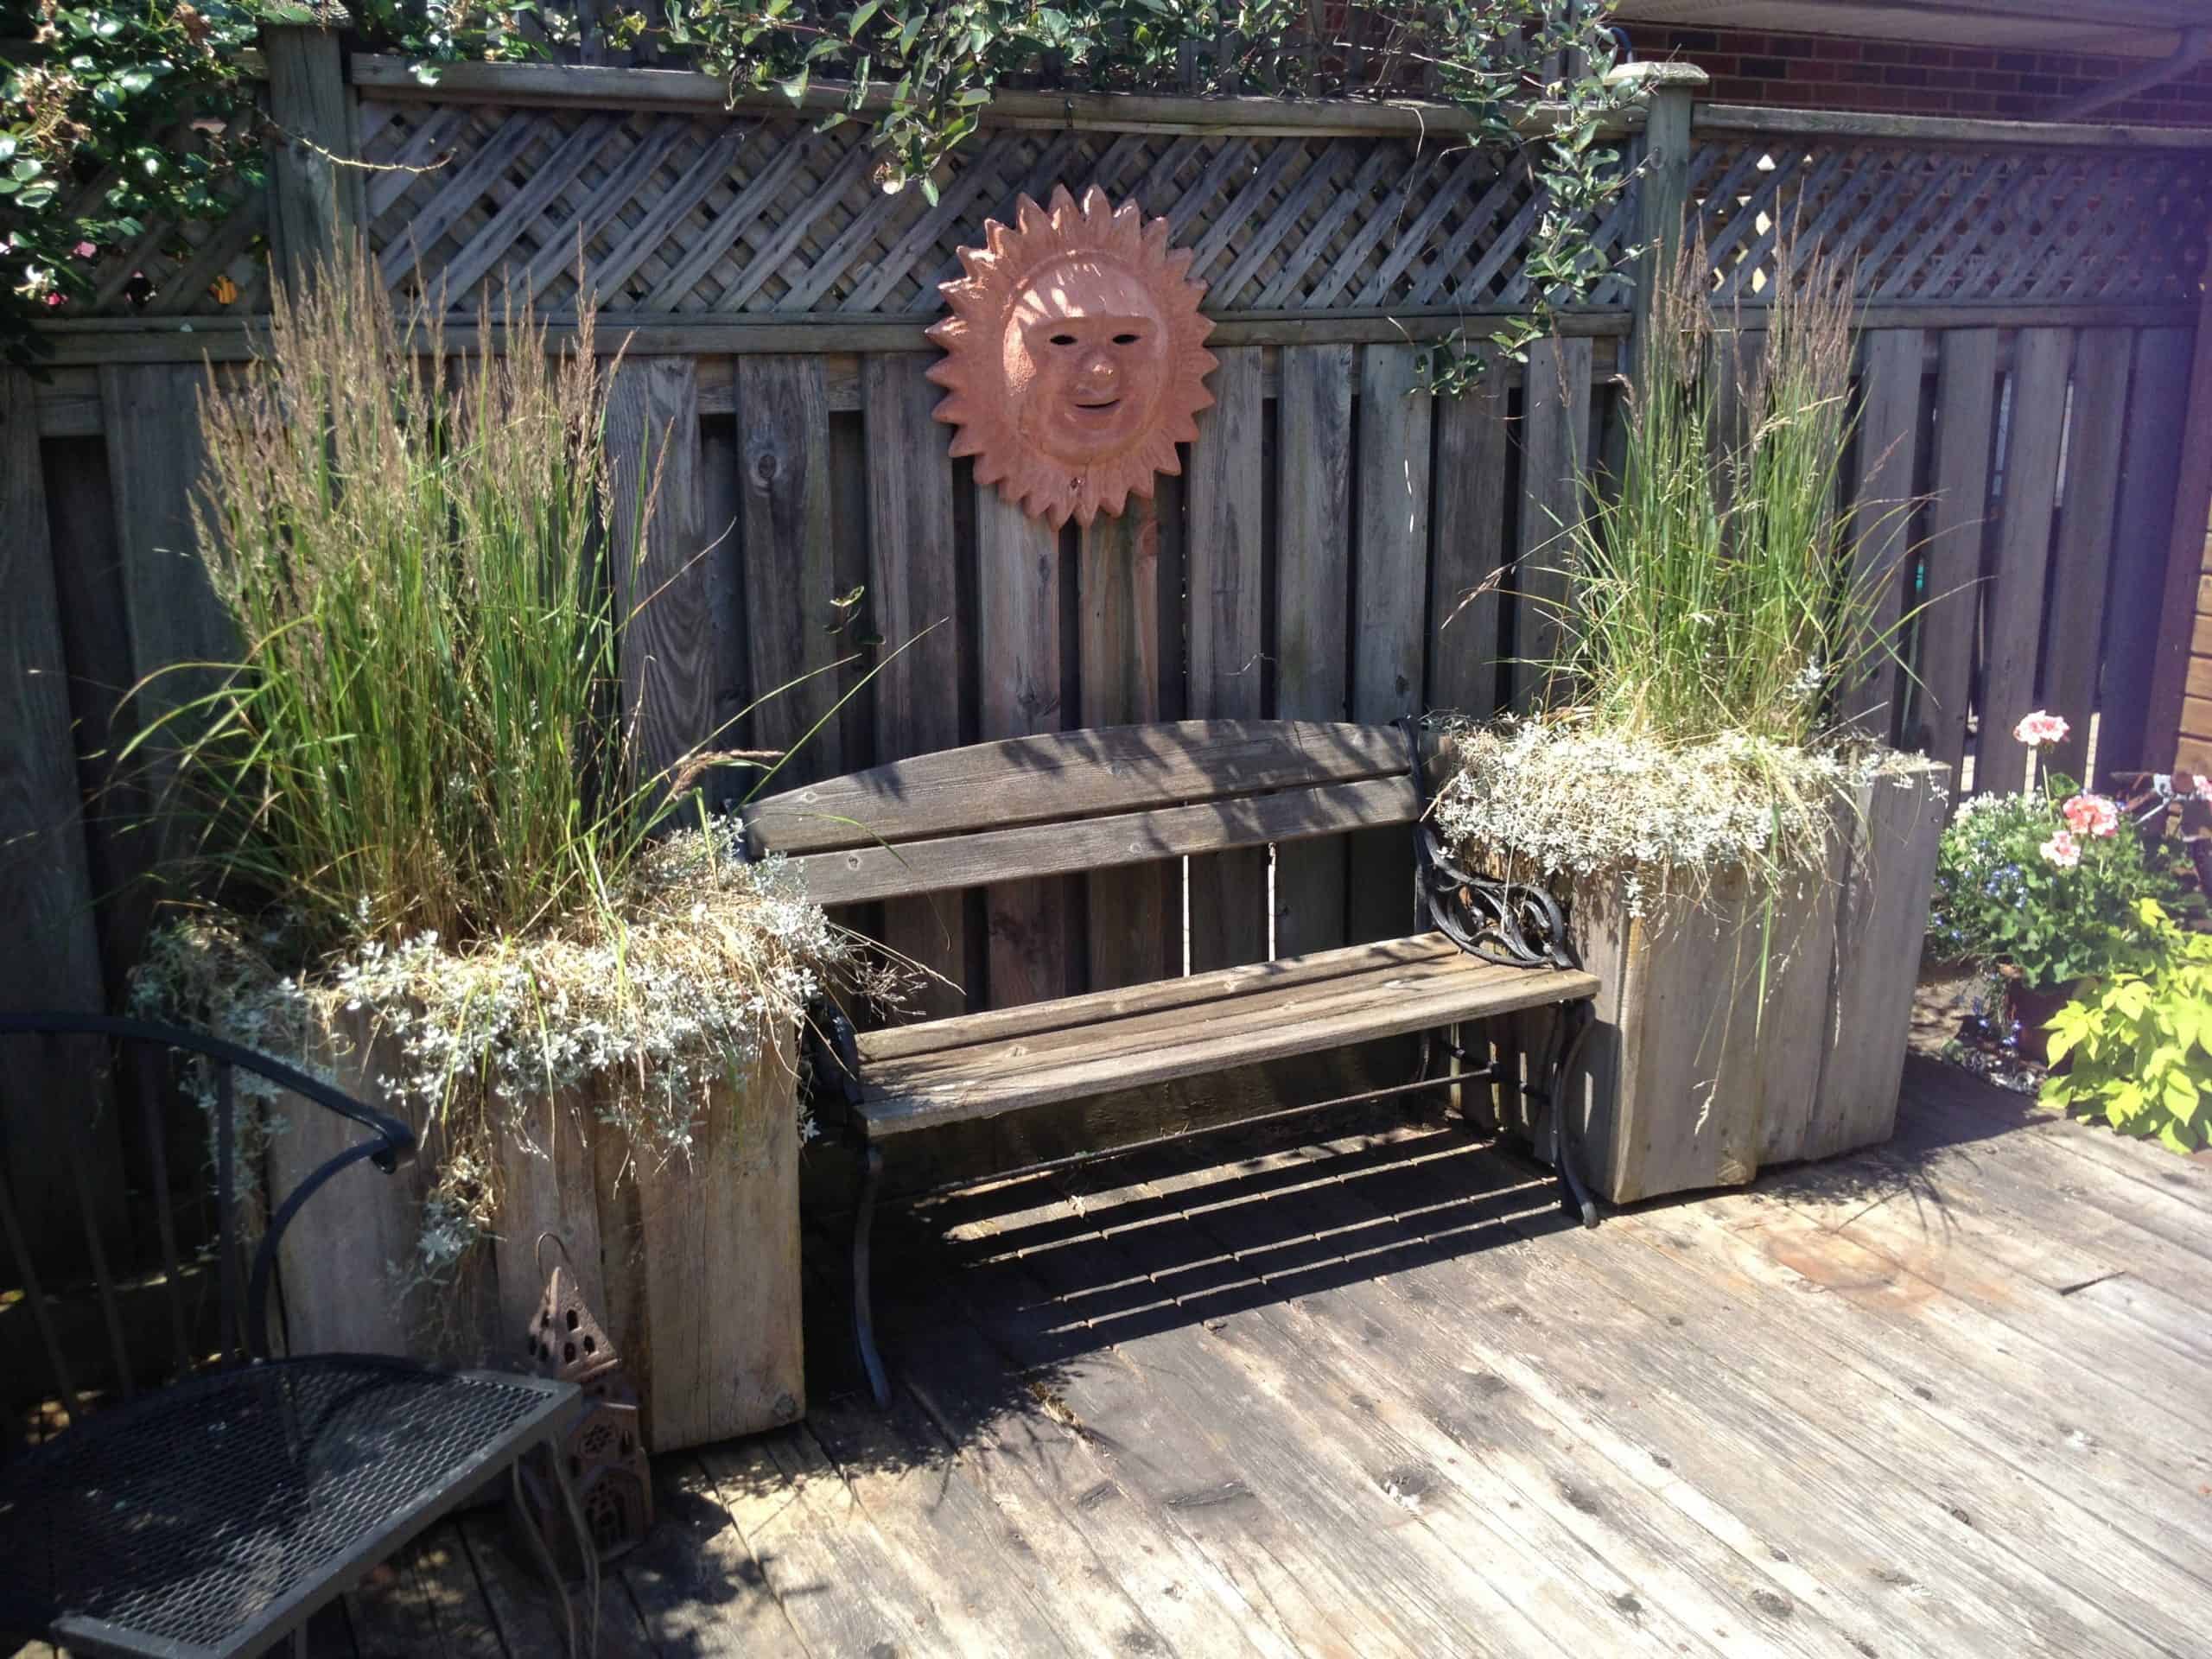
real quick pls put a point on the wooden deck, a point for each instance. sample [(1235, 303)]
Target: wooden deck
[(1373, 1398)]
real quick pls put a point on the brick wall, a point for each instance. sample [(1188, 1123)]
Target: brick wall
[(1911, 78)]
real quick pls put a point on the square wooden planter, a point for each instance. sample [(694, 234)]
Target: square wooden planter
[(692, 1264), (1730, 1037)]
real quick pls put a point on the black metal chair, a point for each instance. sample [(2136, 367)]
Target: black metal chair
[(216, 1513)]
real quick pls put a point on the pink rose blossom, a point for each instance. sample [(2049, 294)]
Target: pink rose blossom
[(2092, 815), (2036, 730), (2062, 849), (83, 249)]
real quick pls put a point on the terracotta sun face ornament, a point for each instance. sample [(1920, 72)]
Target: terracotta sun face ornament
[(1075, 356)]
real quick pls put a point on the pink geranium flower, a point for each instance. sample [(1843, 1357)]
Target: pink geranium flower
[(83, 249), (2092, 815), (2039, 728), (2062, 849)]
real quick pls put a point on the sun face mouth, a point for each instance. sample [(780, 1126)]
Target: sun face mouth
[(1098, 406)]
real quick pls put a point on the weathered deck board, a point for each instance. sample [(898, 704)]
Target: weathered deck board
[(1372, 1396)]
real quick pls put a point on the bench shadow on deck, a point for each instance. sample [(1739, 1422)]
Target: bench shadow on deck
[(1377, 1397)]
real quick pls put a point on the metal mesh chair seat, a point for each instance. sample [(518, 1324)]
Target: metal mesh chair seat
[(205, 1517)]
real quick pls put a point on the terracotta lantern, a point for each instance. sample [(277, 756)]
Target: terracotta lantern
[(1075, 356), (606, 1451)]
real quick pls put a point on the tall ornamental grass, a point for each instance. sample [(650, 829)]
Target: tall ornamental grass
[(1716, 626), (1717, 594), (422, 732)]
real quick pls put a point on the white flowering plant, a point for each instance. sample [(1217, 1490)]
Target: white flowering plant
[(411, 816), (2048, 882), (1714, 627)]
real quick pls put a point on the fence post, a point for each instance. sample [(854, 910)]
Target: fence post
[(2187, 561), (315, 199), (1670, 91)]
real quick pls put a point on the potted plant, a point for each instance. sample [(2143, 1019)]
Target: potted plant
[(2043, 889), (1745, 870), (419, 856), (2140, 1040)]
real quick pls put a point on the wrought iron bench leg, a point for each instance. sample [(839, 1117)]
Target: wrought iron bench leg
[(863, 1301), (1574, 1197)]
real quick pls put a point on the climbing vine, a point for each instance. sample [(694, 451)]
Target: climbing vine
[(118, 122)]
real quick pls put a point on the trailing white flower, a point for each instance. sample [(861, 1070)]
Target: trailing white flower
[(705, 962), (1564, 800)]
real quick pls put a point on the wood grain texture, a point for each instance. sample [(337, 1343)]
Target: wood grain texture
[(1391, 581), (550, 1186), (1467, 570), (46, 889), (1958, 521), (1889, 458), (1032, 951), (914, 589), (1134, 916), (1893, 830), (154, 462), (2012, 613), (2081, 556), (316, 198), (719, 1229), (2157, 404), (1269, 1023), (662, 570), (791, 561), (1312, 648), (1226, 574), (1710, 1009), (1115, 842), (1058, 776), (1555, 422)]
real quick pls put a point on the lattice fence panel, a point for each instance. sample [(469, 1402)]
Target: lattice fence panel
[(685, 215), (1957, 226), (197, 268)]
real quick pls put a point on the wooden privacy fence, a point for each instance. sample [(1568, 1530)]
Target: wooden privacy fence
[(2031, 298)]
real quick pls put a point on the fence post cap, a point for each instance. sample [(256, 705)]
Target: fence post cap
[(1663, 75)]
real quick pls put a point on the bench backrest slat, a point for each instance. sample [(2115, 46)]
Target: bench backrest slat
[(1067, 776), (855, 875)]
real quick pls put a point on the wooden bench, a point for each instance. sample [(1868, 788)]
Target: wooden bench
[(1085, 801)]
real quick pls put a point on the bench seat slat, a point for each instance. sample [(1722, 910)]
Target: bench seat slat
[(1402, 987), (1059, 776), (858, 874)]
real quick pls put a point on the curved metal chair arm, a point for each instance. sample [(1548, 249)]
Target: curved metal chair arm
[(395, 1142), (1515, 924)]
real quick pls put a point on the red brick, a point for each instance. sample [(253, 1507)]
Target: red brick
[(1793, 45), (1932, 57), (1905, 77), (1803, 72), (1996, 81), (1841, 51), (1887, 51), (1738, 91), (1971, 58)]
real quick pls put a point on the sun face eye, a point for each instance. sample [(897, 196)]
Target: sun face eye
[(1127, 339), (1063, 339)]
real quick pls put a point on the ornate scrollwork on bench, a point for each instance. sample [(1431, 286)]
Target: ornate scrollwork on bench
[(1514, 923)]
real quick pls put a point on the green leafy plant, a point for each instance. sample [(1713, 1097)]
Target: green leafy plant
[(2140, 1039), (118, 123), (2049, 882)]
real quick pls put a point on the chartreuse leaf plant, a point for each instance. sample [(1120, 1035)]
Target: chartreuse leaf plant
[(2140, 1040)]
